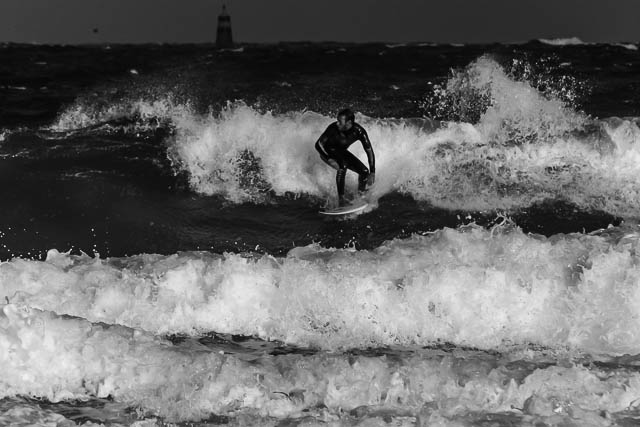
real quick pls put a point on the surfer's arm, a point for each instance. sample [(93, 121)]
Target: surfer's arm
[(371, 158), (320, 146), (366, 145)]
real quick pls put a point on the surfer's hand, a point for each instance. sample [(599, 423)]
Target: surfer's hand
[(371, 179)]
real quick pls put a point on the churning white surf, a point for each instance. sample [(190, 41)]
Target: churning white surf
[(484, 289), (136, 368), (244, 153), (146, 113), (525, 147)]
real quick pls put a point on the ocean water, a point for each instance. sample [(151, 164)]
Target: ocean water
[(163, 261)]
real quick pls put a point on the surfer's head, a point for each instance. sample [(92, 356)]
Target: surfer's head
[(346, 118)]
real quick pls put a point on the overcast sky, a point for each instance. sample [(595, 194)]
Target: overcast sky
[(453, 21)]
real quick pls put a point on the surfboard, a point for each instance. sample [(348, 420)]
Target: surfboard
[(354, 207)]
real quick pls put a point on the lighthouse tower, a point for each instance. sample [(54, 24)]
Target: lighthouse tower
[(223, 37)]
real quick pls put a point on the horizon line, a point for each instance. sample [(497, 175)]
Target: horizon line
[(556, 41)]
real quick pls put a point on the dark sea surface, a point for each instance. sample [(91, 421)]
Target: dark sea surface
[(164, 262)]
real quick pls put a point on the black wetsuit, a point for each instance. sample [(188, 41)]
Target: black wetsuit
[(333, 144)]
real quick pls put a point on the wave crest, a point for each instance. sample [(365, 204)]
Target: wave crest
[(138, 115)]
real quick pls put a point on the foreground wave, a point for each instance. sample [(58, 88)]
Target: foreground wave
[(140, 370), (473, 288)]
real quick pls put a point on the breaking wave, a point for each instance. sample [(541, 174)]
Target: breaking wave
[(511, 146), (474, 288)]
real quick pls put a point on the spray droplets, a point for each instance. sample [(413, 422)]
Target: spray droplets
[(516, 105)]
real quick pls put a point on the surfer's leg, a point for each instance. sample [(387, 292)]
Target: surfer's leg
[(353, 163), (338, 158), (340, 175)]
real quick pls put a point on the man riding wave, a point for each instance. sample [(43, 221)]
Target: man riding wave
[(333, 147)]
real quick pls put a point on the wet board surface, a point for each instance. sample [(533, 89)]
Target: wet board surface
[(344, 210)]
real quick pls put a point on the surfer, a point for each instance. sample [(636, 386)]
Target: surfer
[(333, 144)]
